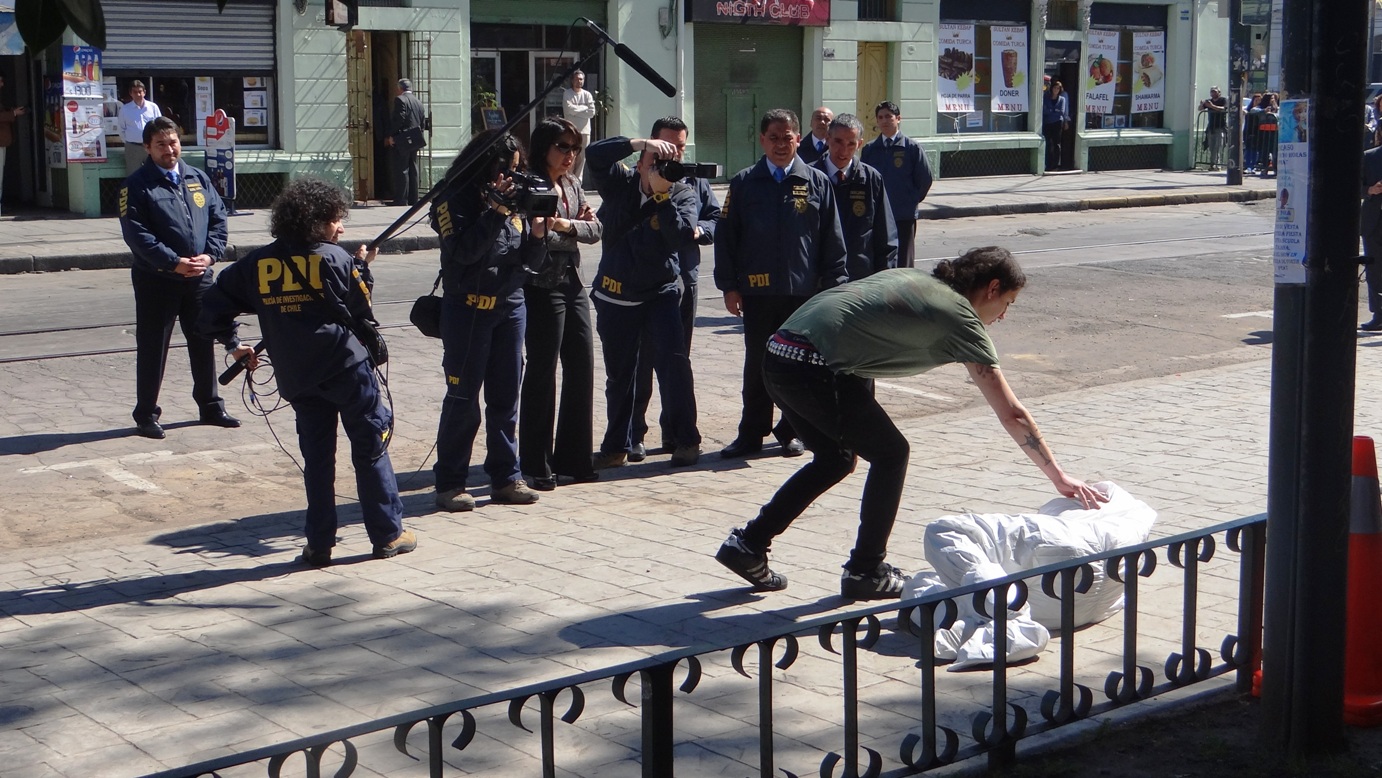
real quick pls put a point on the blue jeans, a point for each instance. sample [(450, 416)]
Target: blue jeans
[(481, 349), (352, 396), (838, 419)]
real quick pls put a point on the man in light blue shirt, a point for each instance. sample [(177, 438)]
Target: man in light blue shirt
[(133, 116)]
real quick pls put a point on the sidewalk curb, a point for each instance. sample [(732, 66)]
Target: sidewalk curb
[(409, 243), (1095, 204)]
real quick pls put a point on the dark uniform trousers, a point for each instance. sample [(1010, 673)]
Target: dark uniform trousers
[(559, 329), (764, 314), (405, 175), (481, 349), (643, 390), (907, 243), (838, 419), (159, 301), (352, 397), (621, 328)]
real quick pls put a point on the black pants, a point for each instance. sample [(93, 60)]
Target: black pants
[(559, 330), (763, 315), (838, 419), (159, 301), (643, 389), (1373, 272), (1052, 132), (906, 242), (404, 176), (622, 328)]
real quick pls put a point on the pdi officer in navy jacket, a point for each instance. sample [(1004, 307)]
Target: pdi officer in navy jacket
[(862, 200), (906, 173), (320, 366), (648, 220), (175, 224), (778, 243)]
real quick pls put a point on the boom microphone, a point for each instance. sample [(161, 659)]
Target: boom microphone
[(633, 60), (238, 366)]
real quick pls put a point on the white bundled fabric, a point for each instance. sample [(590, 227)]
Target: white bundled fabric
[(973, 547)]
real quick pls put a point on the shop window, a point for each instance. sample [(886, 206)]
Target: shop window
[(188, 100), (1124, 79), (975, 94)]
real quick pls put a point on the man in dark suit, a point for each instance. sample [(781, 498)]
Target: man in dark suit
[(817, 143), (405, 139), (1372, 235), (906, 173), (861, 200), (175, 225)]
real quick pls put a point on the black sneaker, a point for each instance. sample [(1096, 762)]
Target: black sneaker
[(750, 565), (884, 583), (316, 557)]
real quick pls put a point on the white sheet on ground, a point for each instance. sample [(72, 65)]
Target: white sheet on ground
[(979, 547)]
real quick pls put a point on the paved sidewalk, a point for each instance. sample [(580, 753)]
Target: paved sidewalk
[(49, 241)]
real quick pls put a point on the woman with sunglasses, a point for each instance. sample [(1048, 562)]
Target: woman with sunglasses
[(559, 325), (488, 251)]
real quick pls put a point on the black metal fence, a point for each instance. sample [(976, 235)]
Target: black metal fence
[(912, 725), (1259, 144)]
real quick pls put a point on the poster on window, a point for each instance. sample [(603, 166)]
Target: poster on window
[(81, 71), (1009, 68), (53, 135), (1148, 78), (1292, 184), (1101, 71), (219, 130), (84, 124), (955, 68)]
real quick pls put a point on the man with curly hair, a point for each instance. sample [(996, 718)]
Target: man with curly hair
[(321, 367)]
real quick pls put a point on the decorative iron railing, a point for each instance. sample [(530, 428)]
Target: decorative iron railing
[(844, 637)]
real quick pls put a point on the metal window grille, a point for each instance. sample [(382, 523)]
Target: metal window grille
[(986, 162), (875, 10), (1127, 158)]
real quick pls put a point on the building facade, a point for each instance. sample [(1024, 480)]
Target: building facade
[(309, 97)]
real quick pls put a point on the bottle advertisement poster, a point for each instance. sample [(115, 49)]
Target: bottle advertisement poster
[(1292, 186), (1148, 78), (955, 68), (84, 123), (220, 153), (1101, 71), (1009, 69), (81, 72)]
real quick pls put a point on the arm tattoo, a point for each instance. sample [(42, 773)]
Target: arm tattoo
[(985, 370), (1035, 443)]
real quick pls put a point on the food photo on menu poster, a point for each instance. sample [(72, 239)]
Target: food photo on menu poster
[(1009, 51), (1101, 74), (955, 68), (1149, 80)]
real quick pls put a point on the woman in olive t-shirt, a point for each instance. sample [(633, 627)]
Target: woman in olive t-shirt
[(820, 368)]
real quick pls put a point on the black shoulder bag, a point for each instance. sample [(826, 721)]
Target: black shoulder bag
[(364, 330), (426, 312)]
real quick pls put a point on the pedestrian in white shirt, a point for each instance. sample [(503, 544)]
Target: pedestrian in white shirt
[(579, 108), (133, 116)]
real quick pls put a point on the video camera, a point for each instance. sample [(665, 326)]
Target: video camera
[(675, 170), (529, 196)]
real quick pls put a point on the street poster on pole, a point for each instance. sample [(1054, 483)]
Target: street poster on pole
[(81, 72), (1292, 189), (955, 68), (220, 153), (1009, 68)]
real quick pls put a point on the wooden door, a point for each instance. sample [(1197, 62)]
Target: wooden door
[(871, 72), (741, 130), (360, 113)]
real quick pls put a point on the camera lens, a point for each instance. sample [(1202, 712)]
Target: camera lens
[(671, 169)]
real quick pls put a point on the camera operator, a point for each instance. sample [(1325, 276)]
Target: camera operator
[(673, 130), (648, 220), (324, 372), (489, 250)]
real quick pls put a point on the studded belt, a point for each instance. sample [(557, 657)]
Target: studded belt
[(789, 345)]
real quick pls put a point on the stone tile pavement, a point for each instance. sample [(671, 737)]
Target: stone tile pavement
[(140, 653)]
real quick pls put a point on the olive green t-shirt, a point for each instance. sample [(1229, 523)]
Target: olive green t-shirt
[(898, 322)]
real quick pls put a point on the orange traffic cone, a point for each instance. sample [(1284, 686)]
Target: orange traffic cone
[(1363, 652)]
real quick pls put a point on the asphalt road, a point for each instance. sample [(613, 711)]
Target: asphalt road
[(1113, 296)]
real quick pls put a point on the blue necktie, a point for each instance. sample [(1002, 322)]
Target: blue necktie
[(175, 177), (820, 146), (779, 174)]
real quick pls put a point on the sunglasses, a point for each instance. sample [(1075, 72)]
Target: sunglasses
[(567, 148)]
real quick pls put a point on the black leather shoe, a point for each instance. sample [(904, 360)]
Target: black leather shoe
[(220, 419), (542, 484), (638, 453), (793, 448), (1372, 325), (150, 429), (741, 447)]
